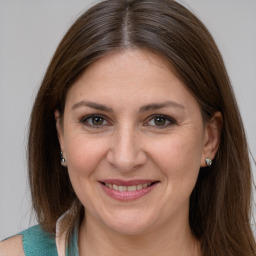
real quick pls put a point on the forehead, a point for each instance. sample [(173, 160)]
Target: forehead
[(133, 60), (131, 77)]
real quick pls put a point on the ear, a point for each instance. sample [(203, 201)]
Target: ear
[(59, 128), (212, 137)]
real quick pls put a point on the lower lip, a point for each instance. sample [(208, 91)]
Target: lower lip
[(127, 195)]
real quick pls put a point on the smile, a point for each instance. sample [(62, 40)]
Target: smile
[(127, 188), (127, 191)]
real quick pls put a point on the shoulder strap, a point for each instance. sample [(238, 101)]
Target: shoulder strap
[(38, 242)]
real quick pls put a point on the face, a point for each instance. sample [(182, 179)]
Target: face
[(134, 140)]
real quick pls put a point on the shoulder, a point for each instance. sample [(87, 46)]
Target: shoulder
[(32, 241), (12, 246)]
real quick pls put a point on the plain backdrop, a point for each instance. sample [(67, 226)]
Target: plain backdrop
[(29, 33)]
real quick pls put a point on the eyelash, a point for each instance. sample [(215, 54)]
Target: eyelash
[(85, 121), (167, 119), (170, 121)]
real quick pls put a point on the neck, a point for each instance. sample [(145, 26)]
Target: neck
[(172, 240)]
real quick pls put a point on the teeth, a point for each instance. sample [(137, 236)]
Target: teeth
[(122, 188), (109, 185), (127, 188), (139, 187), (131, 188)]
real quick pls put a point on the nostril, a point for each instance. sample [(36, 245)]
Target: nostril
[(125, 161)]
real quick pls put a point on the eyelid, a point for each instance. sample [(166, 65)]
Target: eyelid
[(87, 117), (168, 118), (170, 121)]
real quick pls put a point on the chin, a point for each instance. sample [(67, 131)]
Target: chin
[(130, 230), (130, 224)]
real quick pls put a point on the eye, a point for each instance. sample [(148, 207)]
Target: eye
[(161, 121), (95, 121)]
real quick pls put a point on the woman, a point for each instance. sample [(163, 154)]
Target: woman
[(136, 143)]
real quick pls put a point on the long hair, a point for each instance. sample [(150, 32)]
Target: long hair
[(219, 213)]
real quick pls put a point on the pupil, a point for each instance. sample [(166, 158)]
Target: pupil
[(97, 120), (160, 121)]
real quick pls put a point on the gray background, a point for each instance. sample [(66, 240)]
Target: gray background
[(29, 33)]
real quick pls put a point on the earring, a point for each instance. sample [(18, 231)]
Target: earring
[(62, 159), (208, 161)]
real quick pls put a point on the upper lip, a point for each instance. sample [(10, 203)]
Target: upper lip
[(126, 182)]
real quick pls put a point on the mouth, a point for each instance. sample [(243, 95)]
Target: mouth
[(123, 188), (127, 190)]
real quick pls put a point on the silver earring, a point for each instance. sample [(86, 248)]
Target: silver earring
[(62, 159), (208, 161)]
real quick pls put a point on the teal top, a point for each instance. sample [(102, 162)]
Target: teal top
[(72, 248), (38, 242)]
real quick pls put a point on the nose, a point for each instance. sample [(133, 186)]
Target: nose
[(126, 153)]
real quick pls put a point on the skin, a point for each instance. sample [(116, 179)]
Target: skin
[(128, 141)]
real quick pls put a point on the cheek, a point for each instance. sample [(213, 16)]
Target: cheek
[(179, 150), (84, 154), (179, 158)]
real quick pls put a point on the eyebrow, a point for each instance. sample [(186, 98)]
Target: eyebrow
[(155, 106), (93, 105), (145, 108)]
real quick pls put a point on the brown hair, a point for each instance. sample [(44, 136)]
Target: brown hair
[(220, 202)]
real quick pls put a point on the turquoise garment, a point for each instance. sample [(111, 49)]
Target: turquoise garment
[(37, 242), (72, 249)]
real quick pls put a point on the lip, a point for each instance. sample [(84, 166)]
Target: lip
[(126, 182), (127, 195)]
